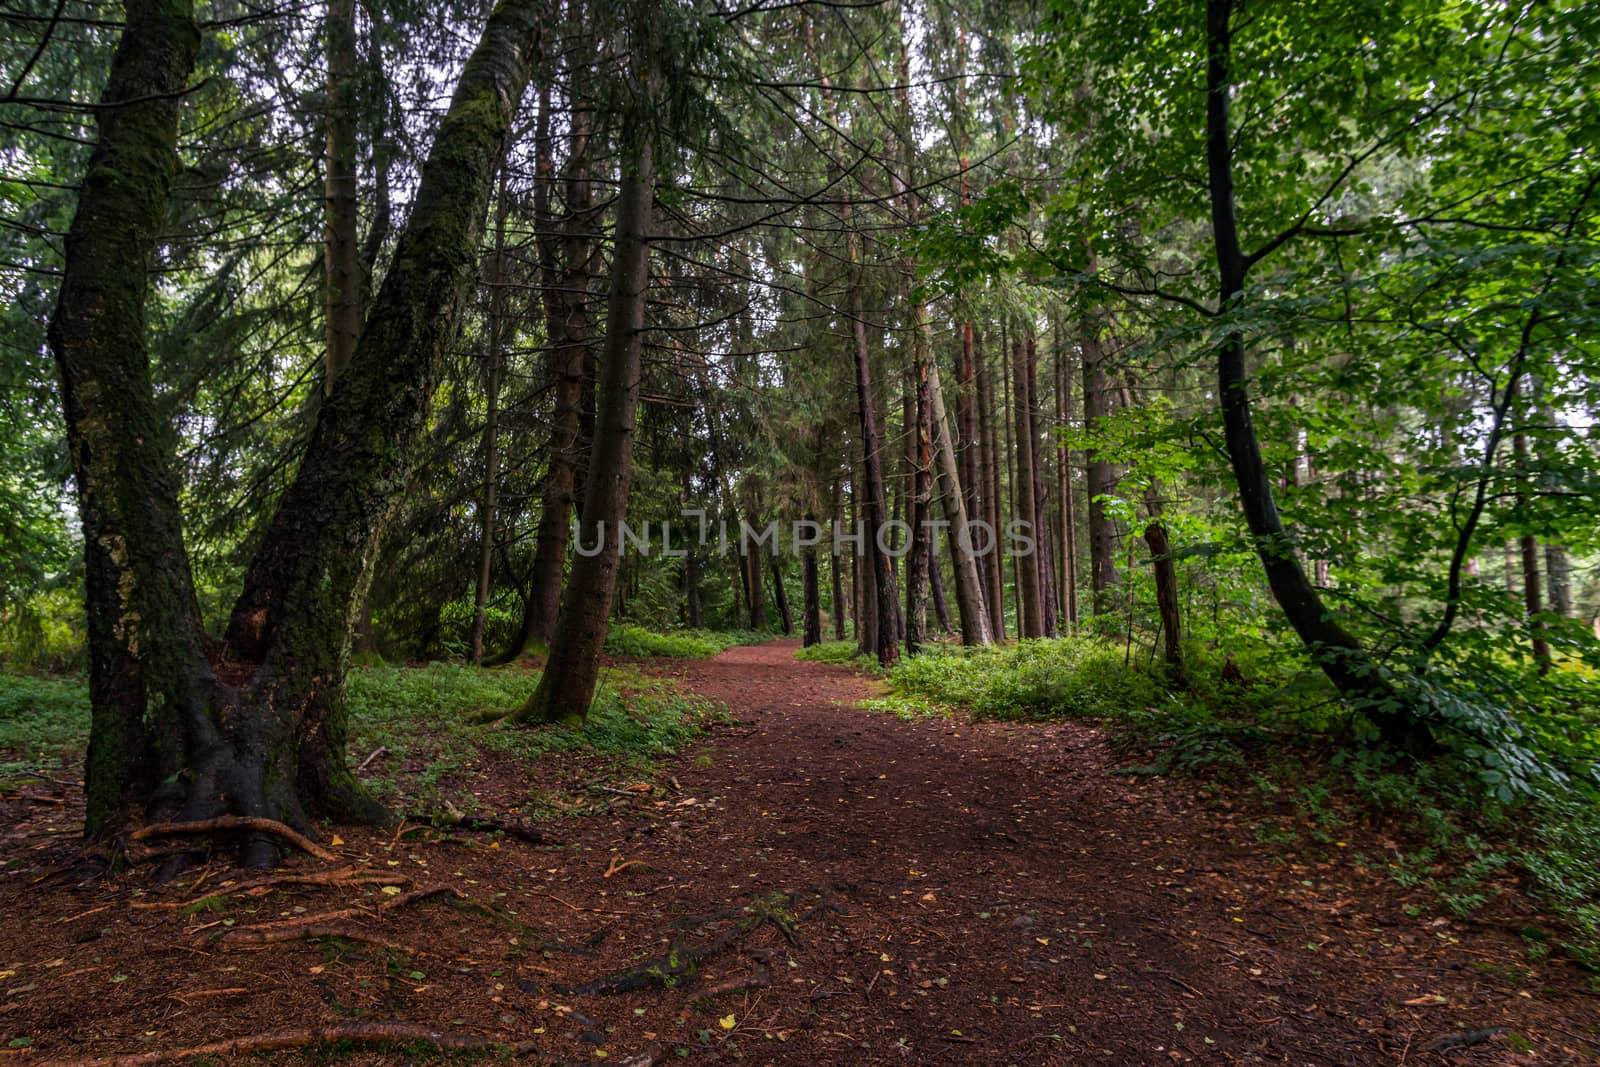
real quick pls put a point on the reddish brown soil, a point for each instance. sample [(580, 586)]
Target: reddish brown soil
[(962, 893)]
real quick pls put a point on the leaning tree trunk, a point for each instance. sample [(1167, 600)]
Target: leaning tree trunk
[(566, 689), (1334, 649), (976, 628), (264, 735)]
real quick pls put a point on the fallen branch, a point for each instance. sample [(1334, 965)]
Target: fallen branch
[(272, 935), (451, 819), (337, 877), (381, 750), (235, 822), (258, 932), (358, 1033)]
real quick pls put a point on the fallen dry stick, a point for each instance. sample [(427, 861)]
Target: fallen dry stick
[(235, 822), (272, 935), (259, 932), (335, 877), (361, 1033)]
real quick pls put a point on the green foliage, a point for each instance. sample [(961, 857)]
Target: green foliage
[(839, 652), (41, 719), (1077, 677), (626, 639)]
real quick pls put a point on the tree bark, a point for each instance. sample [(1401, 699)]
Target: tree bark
[(1069, 521), (812, 608), (781, 595), (1044, 549), (565, 256), (145, 650), (920, 450), (988, 441), (836, 569), (1030, 619), (886, 645), (1166, 580), (1100, 475), (976, 626), (566, 688)]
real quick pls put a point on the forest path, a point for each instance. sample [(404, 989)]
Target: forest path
[(1003, 898)]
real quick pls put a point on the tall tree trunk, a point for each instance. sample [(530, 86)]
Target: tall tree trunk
[(1101, 475), (145, 650), (565, 255), (754, 584), (941, 609), (976, 626), (886, 645), (1166, 581), (920, 447), (1030, 619), (1069, 521), (341, 214), (1041, 504), (812, 608), (1528, 548), (781, 595), (835, 566), (491, 426), (988, 441), (566, 688), (1335, 650)]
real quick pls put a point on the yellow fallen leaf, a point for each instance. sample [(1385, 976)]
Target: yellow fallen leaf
[(392, 890), (727, 1022), (1042, 940), (336, 840)]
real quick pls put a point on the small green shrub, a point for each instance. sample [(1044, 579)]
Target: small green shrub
[(1073, 677)]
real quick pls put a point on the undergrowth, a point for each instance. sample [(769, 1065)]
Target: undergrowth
[(626, 639), (839, 652), (425, 717)]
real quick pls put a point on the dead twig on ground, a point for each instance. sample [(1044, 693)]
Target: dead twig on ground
[(263, 932), (381, 750), (336, 877)]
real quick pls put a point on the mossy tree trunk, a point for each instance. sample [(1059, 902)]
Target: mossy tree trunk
[(257, 727)]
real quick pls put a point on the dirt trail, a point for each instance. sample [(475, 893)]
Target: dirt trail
[(1064, 914), (961, 894)]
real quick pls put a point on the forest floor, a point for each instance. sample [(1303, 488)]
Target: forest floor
[(811, 884)]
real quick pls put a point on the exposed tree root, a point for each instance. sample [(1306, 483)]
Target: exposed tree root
[(683, 958), (235, 822), (360, 1033), (255, 887), (272, 935), (282, 930)]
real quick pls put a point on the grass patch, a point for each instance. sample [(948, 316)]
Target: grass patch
[(42, 720), (626, 639), (841, 652), (422, 715)]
